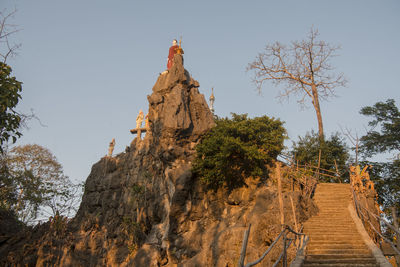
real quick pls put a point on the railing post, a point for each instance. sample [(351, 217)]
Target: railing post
[(284, 257), (396, 225), (278, 176), (244, 247)]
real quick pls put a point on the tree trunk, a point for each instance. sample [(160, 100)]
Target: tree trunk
[(318, 112)]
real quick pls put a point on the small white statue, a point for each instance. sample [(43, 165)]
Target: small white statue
[(111, 147), (139, 119), (146, 122)]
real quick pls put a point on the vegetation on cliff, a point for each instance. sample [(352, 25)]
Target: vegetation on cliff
[(334, 153), (238, 148)]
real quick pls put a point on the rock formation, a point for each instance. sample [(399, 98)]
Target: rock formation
[(143, 207)]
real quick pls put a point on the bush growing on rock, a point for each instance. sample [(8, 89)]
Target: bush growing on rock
[(334, 154), (238, 148)]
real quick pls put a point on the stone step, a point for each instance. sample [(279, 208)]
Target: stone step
[(332, 185), (330, 228), (341, 199), (336, 242), (331, 238), (327, 209), (345, 217), (341, 196), (330, 191), (330, 221), (333, 193), (328, 205), (342, 260), (337, 216), (333, 246), (340, 257), (331, 251), (344, 202), (332, 215), (333, 203), (328, 224), (339, 265), (322, 230)]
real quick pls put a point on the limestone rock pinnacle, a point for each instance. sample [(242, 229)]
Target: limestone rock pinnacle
[(176, 108)]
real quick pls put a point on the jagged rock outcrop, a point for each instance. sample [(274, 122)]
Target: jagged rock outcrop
[(143, 207)]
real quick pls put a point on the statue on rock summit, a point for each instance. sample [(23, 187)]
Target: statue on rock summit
[(111, 147), (173, 50)]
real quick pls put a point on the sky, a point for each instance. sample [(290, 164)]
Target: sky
[(88, 66)]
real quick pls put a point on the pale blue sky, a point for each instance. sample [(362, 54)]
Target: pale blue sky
[(88, 66)]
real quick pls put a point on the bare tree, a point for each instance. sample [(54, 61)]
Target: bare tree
[(354, 140), (7, 47), (303, 67)]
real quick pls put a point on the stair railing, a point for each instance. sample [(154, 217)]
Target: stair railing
[(300, 239), (361, 184)]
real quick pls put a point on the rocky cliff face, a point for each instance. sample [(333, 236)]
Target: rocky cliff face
[(144, 207)]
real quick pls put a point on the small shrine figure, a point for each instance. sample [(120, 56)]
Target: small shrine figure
[(139, 119), (146, 122), (111, 147), (212, 99)]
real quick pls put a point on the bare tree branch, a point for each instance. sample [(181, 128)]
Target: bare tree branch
[(7, 47)]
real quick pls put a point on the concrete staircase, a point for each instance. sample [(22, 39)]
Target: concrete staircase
[(334, 239)]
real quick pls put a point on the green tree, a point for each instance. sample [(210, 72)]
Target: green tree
[(10, 88), (10, 120), (303, 67), (238, 148), (383, 137), (334, 153), (37, 185)]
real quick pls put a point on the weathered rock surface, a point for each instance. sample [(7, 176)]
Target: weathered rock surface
[(144, 207)]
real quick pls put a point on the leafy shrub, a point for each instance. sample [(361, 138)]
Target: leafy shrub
[(134, 232), (238, 148), (306, 151)]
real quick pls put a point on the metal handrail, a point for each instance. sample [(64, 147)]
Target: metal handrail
[(282, 254), (358, 207), (286, 246), (267, 251), (381, 219), (382, 236)]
